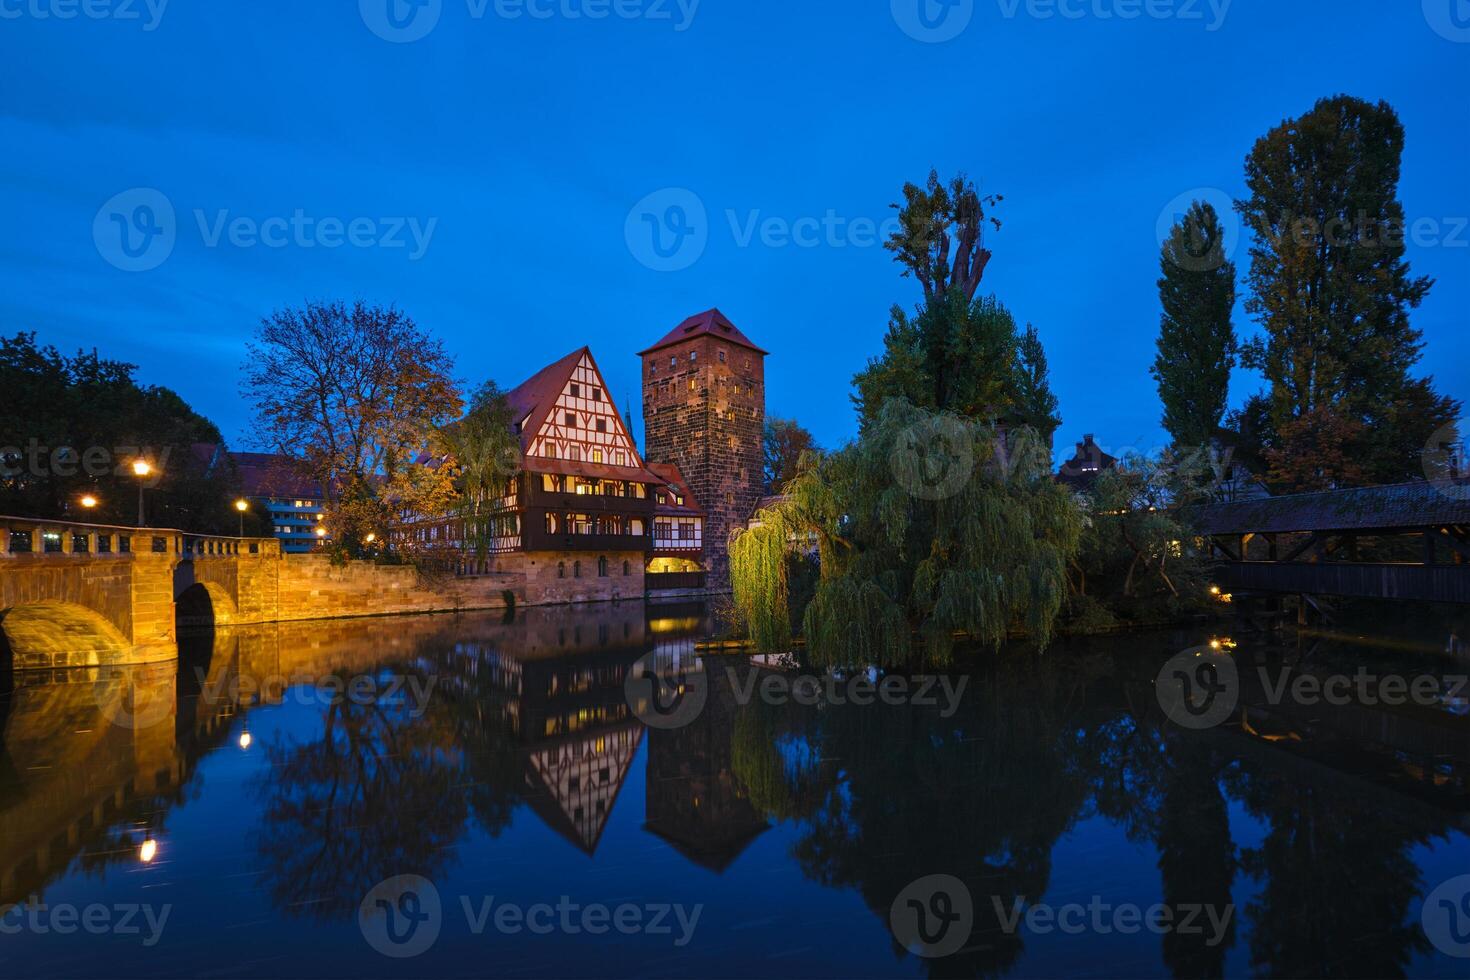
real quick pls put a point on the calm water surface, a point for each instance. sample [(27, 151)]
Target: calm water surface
[(255, 797)]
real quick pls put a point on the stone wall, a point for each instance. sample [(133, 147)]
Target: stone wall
[(708, 416), (550, 577), (311, 587)]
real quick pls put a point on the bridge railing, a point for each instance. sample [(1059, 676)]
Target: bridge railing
[(42, 537)]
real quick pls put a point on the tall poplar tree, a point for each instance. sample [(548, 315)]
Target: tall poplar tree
[(1196, 336), (1332, 290)]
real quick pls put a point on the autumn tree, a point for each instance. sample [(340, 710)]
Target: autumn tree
[(784, 441), (354, 395), (1196, 343), (1332, 290)]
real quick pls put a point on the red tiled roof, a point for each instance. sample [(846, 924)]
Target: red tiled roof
[(709, 322), (533, 399), (271, 475), (671, 476)]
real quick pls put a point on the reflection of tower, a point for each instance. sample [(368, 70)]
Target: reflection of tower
[(704, 408), (694, 800)]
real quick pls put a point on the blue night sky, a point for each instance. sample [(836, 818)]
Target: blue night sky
[(522, 146)]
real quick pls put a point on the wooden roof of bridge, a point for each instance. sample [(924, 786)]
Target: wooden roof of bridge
[(1399, 507)]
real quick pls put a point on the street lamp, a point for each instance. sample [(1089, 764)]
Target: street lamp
[(88, 502), (141, 470), (242, 505), (321, 535)]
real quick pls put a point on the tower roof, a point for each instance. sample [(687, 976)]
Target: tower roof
[(711, 322)]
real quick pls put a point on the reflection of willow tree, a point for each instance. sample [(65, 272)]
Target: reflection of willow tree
[(378, 794), (1163, 786), (983, 795), (1337, 879)]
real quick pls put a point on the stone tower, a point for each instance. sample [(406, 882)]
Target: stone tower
[(704, 408)]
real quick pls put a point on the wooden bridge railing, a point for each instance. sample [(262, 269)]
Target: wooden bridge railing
[(1424, 583)]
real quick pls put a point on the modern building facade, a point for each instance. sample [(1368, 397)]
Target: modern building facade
[(295, 507)]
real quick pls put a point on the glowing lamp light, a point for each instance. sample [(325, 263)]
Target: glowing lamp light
[(141, 467), (245, 740), (371, 538), (321, 532), (242, 505), (1214, 590), (148, 851), (89, 501)]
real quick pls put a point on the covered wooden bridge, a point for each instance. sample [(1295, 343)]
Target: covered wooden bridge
[(1408, 541)]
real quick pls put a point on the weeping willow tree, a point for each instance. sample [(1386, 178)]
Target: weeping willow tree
[(929, 528)]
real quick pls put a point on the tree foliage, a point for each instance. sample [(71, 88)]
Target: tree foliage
[(1196, 344), (784, 442), (73, 425), (926, 524), (1035, 403), (1332, 289), (355, 395), (484, 453)]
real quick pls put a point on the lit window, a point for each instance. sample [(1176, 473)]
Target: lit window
[(597, 455)]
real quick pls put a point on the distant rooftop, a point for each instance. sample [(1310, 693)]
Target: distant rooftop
[(711, 322)]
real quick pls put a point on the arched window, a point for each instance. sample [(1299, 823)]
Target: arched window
[(576, 569), (561, 569), (602, 567)]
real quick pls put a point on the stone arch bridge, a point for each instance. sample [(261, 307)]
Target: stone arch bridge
[(82, 595), (88, 595)]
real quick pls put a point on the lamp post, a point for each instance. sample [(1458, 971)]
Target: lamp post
[(141, 470), (321, 536), (242, 505)]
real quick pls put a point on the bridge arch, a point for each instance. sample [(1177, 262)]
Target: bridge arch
[(59, 634), (205, 605)]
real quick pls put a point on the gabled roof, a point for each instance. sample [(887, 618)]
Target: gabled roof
[(1400, 506), (533, 399), (711, 322), (271, 475), (670, 474)]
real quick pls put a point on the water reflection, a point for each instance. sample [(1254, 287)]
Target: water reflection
[(415, 741)]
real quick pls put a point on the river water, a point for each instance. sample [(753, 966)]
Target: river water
[(469, 796)]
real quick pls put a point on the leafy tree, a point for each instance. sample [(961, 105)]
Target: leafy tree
[(1036, 405), (72, 426), (355, 396), (1315, 451), (1332, 289), (785, 441), (922, 524), (1196, 337), (484, 453), (1136, 559)]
